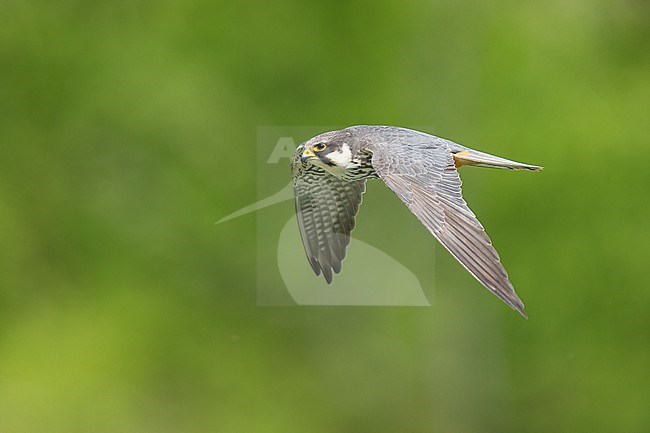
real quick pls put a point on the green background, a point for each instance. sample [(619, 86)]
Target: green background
[(128, 127)]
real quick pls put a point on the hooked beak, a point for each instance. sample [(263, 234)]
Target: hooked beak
[(307, 154)]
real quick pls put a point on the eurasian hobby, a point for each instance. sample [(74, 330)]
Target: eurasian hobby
[(329, 178)]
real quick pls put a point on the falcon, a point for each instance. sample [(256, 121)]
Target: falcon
[(329, 178)]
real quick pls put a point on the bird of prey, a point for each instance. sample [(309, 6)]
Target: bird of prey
[(329, 178)]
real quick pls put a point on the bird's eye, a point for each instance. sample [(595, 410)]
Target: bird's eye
[(319, 147)]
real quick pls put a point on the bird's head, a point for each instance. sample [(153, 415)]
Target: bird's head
[(330, 151)]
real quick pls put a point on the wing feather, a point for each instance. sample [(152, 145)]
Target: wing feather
[(326, 207), (423, 175)]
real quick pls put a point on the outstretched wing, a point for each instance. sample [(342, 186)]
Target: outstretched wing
[(325, 210), (424, 177)]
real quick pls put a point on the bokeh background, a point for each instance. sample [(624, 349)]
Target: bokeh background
[(127, 128)]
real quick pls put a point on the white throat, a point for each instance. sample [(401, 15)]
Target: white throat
[(342, 159)]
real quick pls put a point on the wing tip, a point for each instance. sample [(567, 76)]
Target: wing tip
[(513, 302), (520, 310), (327, 273), (314, 265)]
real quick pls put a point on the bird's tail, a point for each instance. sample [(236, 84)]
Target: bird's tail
[(467, 156)]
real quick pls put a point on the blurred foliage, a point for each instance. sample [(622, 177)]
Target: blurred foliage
[(128, 127)]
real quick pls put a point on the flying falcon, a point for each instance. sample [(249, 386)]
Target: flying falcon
[(329, 178)]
